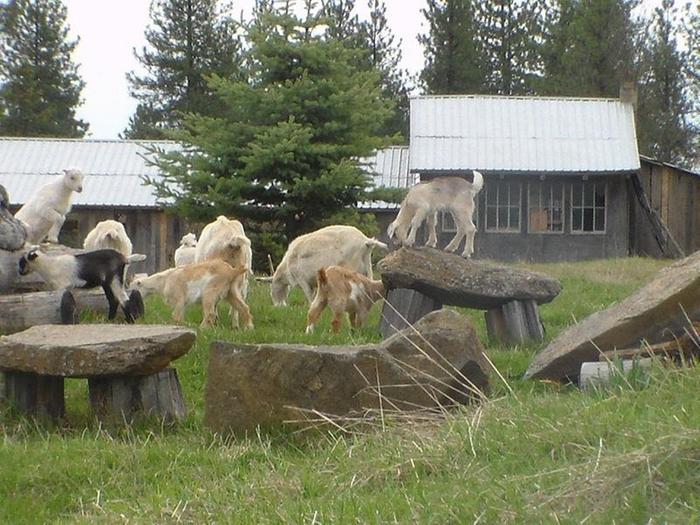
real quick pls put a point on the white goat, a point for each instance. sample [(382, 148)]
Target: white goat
[(109, 234), (423, 201), (45, 212), (338, 245), (186, 251), (225, 239)]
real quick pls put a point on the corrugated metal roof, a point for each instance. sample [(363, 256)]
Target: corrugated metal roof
[(113, 168), (389, 169), (522, 134)]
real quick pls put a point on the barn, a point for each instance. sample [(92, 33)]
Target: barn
[(113, 189), (563, 177)]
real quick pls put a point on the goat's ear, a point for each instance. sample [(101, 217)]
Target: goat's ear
[(32, 255)]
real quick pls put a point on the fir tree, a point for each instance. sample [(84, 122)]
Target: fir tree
[(41, 85), (454, 60), (187, 41), (665, 130), (281, 155)]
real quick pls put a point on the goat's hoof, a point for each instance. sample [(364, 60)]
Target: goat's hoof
[(310, 329)]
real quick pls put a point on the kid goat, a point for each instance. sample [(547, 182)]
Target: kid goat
[(343, 291), (423, 201), (208, 282), (103, 268)]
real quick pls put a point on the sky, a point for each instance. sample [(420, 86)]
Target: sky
[(110, 30)]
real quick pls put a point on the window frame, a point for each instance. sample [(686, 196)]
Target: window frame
[(572, 206), (539, 184), (497, 184)]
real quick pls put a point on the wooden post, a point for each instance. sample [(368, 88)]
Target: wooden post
[(35, 394), (124, 397), (403, 307), (515, 322)]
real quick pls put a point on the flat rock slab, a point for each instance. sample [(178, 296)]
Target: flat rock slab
[(94, 349), (654, 313), (271, 384), (451, 279)]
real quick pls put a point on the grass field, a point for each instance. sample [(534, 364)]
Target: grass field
[(536, 452)]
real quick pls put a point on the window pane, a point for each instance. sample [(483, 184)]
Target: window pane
[(491, 195), (588, 219), (491, 217), (576, 219), (538, 220), (576, 195), (502, 217), (588, 194), (600, 195), (600, 219), (514, 222)]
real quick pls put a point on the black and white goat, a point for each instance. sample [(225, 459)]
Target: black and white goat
[(105, 268)]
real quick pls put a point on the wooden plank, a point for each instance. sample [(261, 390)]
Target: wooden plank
[(402, 308), (35, 395), (687, 345), (515, 322)]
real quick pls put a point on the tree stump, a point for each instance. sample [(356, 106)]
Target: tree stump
[(125, 397), (403, 307), (35, 394), (515, 322)]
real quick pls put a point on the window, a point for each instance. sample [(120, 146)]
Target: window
[(546, 207), (588, 207), (503, 206), (447, 222)]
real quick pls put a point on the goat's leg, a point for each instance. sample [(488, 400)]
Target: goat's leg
[(469, 242), (416, 221), (317, 306), (112, 300), (337, 321), (432, 233), (209, 313), (57, 221), (462, 222), (239, 306), (308, 289)]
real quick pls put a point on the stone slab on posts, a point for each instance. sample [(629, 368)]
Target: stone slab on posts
[(119, 360), (660, 311), (509, 295)]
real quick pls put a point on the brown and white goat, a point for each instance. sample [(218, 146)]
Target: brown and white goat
[(208, 282), (343, 290)]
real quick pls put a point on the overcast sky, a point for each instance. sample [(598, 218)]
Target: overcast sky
[(109, 30)]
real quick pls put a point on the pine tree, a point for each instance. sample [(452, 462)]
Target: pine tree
[(665, 131), (454, 60), (41, 85), (282, 154), (510, 36), (590, 47), (187, 41)]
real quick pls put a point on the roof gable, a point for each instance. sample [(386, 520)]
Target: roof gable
[(522, 134)]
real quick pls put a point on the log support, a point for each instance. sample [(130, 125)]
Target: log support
[(515, 322), (403, 307), (34, 394), (125, 397)]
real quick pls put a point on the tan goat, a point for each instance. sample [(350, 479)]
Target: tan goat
[(208, 282), (343, 291)]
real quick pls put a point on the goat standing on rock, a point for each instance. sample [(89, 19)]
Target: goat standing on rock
[(45, 212), (423, 201)]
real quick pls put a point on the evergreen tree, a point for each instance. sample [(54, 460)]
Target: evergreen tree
[(692, 70), (41, 86), (590, 47), (665, 131), (454, 59), (281, 155), (510, 36), (187, 41)]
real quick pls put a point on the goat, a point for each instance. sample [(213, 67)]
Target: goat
[(225, 239), (424, 200), (109, 234), (13, 233), (103, 268), (207, 281), (343, 291), (45, 212), (330, 246), (186, 251)]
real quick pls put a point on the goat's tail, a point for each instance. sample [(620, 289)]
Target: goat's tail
[(478, 181), (322, 278), (136, 257), (374, 243)]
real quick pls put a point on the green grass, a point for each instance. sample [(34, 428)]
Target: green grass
[(545, 453)]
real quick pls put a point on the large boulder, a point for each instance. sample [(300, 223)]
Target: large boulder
[(653, 313), (440, 362), (94, 350), (451, 279)]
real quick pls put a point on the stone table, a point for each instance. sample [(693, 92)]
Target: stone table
[(127, 368), (420, 280)]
